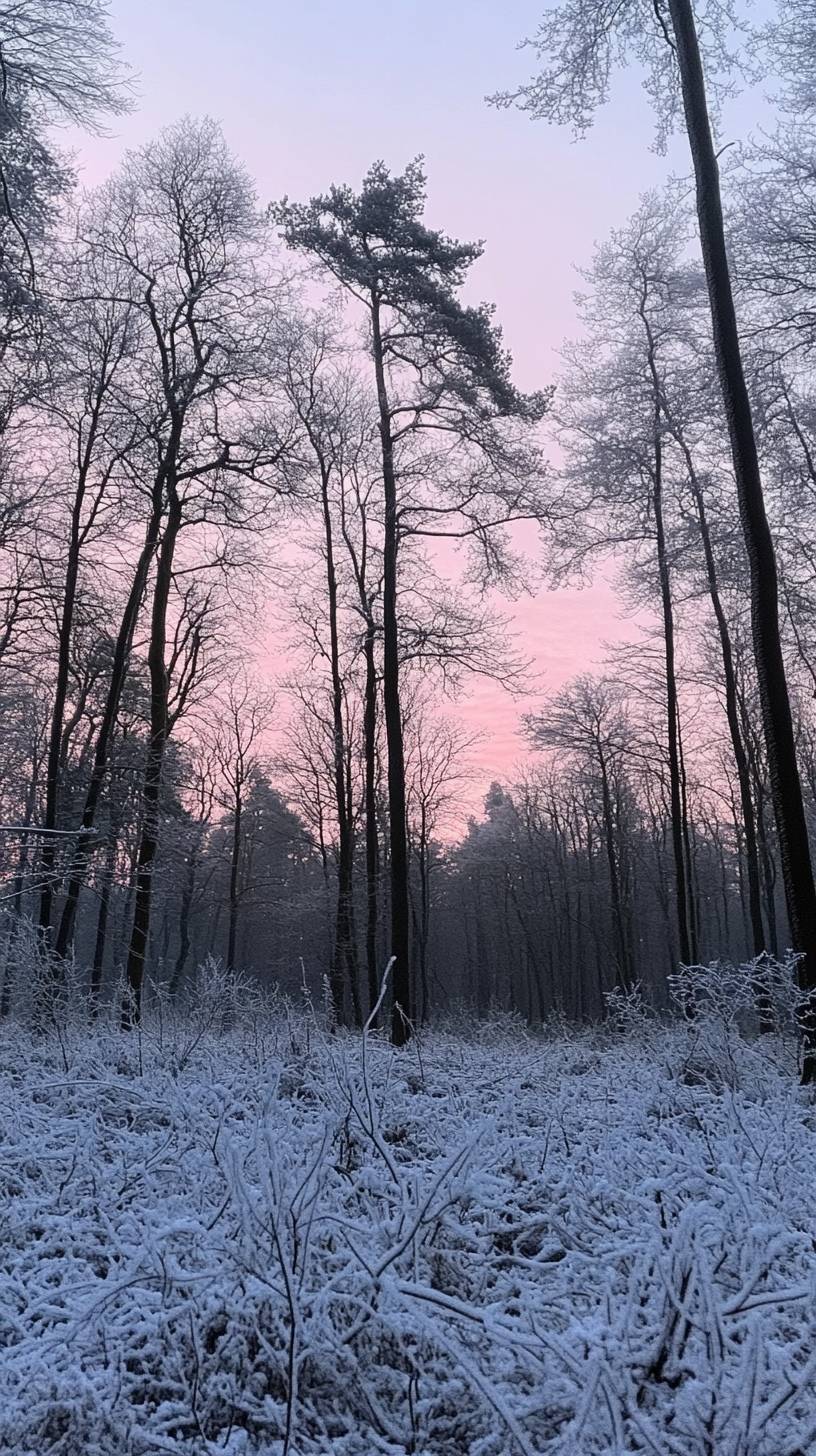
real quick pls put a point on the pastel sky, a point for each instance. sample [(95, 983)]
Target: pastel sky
[(310, 93)]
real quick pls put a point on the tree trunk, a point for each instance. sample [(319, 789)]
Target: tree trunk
[(151, 787), (397, 820), (345, 950), (235, 868), (675, 794), (372, 842), (797, 870), (52, 771), (101, 940), (424, 921), (623, 977)]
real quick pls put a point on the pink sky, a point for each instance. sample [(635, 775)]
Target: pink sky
[(311, 93)]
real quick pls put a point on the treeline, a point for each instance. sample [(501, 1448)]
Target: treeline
[(188, 435)]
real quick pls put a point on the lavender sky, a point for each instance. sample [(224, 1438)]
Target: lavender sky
[(312, 92)]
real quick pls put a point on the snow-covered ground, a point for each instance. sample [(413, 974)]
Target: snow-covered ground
[(258, 1239)]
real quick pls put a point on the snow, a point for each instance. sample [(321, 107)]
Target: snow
[(256, 1240)]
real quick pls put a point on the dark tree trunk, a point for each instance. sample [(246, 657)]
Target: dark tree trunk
[(151, 787), (372, 841), (786, 789), (234, 879), (692, 895), (359, 561), (672, 719), (768, 876), (345, 950), (624, 970), (102, 921), (397, 819), (679, 829), (52, 772), (424, 921)]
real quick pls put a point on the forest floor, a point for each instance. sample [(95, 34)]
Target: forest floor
[(263, 1239)]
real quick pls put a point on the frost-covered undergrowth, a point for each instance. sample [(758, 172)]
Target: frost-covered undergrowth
[(259, 1240)]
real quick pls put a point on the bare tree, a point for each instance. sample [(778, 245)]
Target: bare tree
[(181, 222)]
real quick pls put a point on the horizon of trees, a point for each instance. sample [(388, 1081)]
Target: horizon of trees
[(187, 435)]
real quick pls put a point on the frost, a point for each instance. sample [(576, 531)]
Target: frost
[(244, 1235)]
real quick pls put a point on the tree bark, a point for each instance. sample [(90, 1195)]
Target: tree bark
[(345, 950), (235, 869), (672, 709), (372, 840), (101, 939), (151, 787), (397, 818)]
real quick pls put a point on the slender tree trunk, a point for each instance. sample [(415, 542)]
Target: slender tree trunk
[(672, 710), (234, 886), (692, 893), (679, 828), (151, 787), (623, 977), (52, 771), (102, 920), (397, 819), (345, 951), (661, 885), (359, 562), (768, 878), (797, 870), (578, 968), (372, 841), (425, 927)]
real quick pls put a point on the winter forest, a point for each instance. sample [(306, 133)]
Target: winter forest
[(362, 1093)]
